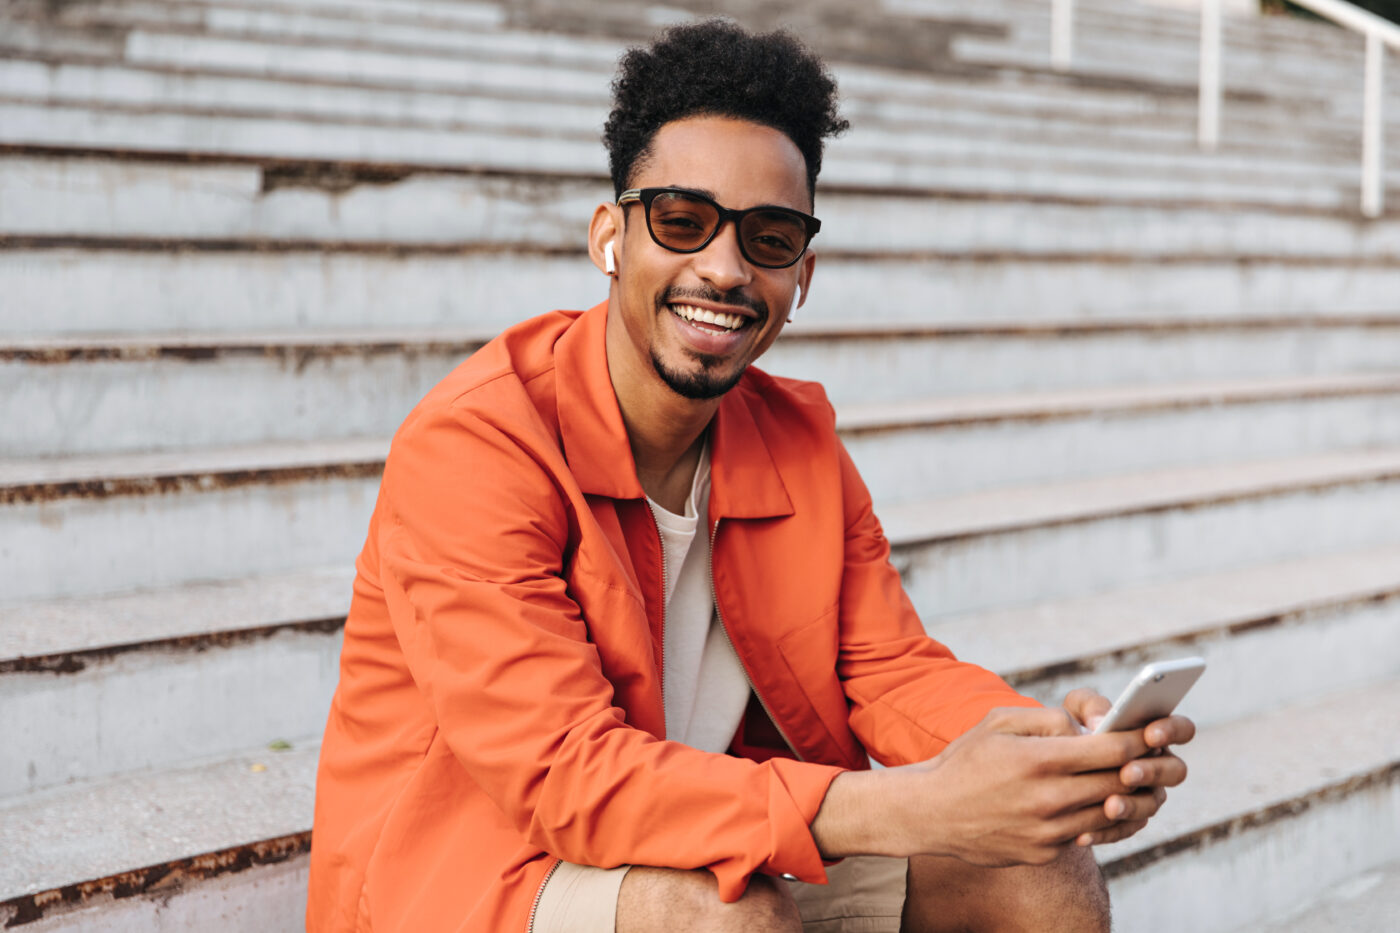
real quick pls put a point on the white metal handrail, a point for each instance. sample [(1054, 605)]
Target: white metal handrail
[(1379, 33)]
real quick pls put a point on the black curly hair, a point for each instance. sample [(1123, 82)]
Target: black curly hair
[(717, 68)]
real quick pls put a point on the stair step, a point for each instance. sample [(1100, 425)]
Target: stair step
[(1368, 902), (149, 288), (1257, 133), (905, 450), (90, 199), (98, 687), (66, 396), (163, 519), (1020, 545), (1270, 633), (913, 360), (1257, 827), (143, 835)]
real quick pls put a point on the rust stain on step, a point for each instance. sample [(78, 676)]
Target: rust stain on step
[(75, 662), (296, 353), (26, 493), (163, 879)]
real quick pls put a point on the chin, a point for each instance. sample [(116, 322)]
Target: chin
[(701, 383)]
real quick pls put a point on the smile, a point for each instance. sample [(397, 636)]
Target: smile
[(718, 322)]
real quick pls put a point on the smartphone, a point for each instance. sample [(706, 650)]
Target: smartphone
[(1152, 694)]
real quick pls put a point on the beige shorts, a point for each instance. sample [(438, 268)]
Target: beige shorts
[(863, 895)]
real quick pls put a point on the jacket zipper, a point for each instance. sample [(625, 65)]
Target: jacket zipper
[(661, 671), (539, 893), (714, 594)]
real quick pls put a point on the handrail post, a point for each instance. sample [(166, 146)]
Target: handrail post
[(1208, 128), (1061, 34), (1372, 141)]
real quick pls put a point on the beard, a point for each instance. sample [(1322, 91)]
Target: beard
[(700, 384), (703, 383)]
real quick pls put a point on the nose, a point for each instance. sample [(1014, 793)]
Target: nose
[(721, 263)]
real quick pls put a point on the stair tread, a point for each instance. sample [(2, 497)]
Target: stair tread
[(1011, 508), (1026, 640), (99, 468), (39, 629), (83, 832), (1250, 766), (1102, 399)]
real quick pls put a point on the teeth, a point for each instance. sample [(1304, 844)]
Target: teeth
[(706, 316)]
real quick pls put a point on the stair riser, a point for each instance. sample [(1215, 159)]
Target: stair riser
[(266, 898), (909, 464), (114, 406), (1253, 872), (122, 85), (1257, 670), (136, 292), (161, 706), (1021, 567), (85, 198), (898, 158), (1176, 63), (282, 394), (78, 546), (946, 364)]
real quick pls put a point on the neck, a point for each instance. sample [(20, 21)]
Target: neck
[(665, 430)]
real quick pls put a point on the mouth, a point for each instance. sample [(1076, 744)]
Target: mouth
[(715, 322)]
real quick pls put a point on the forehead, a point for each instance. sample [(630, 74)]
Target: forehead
[(742, 163)]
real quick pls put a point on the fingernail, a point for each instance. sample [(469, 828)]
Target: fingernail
[(1133, 775), (1117, 809)]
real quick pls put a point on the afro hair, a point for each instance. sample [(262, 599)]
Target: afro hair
[(716, 68)]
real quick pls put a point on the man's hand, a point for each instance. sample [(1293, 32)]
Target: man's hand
[(1148, 776), (1015, 789)]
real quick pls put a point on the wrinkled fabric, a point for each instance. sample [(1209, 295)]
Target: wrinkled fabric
[(500, 702)]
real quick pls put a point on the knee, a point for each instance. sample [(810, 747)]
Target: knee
[(659, 900), (1067, 895)]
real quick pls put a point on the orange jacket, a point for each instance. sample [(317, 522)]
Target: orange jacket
[(500, 701)]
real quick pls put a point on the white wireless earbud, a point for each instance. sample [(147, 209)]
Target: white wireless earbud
[(609, 258), (796, 300)]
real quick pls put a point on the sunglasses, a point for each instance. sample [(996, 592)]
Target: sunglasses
[(685, 222)]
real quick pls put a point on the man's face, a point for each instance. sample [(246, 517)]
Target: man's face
[(662, 294)]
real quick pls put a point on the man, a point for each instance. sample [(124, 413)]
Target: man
[(625, 629)]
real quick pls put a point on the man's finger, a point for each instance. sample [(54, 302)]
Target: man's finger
[(1039, 721), (1161, 771), (1174, 730), (1114, 833), (1132, 807)]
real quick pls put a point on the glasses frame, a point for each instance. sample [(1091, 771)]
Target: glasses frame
[(646, 196)]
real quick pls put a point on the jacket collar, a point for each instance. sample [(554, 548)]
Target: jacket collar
[(745, 478)]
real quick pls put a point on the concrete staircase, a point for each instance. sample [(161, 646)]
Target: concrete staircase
[(1117, 399)]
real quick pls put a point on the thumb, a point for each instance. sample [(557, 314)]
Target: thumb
[(1087, 706)]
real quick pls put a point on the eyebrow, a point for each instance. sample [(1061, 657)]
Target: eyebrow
[(707, 193)]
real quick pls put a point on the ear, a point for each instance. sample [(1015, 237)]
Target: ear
[(804, 276), (605, 228)]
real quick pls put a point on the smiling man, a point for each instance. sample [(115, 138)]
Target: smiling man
[(625, 634)]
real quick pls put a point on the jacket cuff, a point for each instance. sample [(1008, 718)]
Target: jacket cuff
[(796, 792)]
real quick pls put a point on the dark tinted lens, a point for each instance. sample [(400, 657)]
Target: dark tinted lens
[(773, 238), (680, 221)]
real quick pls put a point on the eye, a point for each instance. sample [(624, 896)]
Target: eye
[(680, 220), (774, 231)]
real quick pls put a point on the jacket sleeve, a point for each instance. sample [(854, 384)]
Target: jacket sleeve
[(472, 548), (909, 696)]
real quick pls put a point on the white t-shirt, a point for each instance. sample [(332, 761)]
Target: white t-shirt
[(704, 686)]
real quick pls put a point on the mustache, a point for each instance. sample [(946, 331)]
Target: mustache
[(736, 299)]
